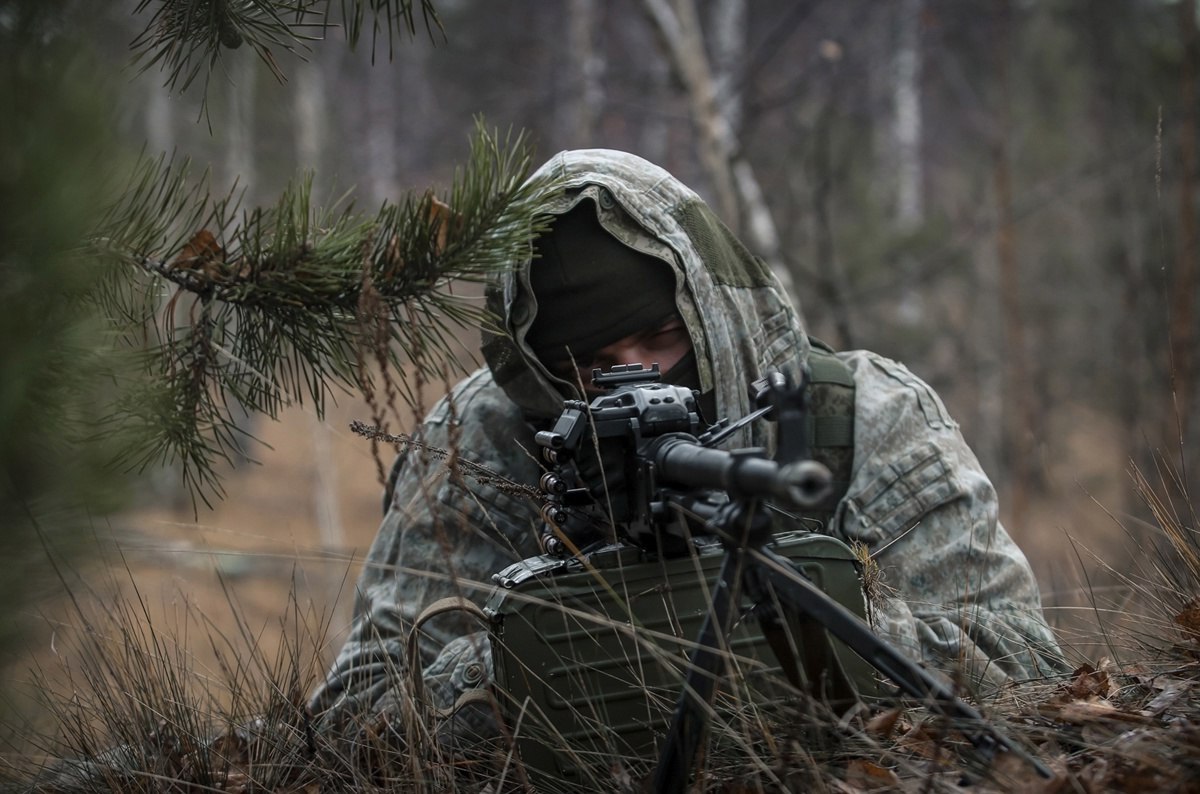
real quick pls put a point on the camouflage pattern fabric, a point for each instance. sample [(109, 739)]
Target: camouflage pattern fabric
[(963, 598)]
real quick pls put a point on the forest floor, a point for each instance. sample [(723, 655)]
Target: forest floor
[(236, 572)]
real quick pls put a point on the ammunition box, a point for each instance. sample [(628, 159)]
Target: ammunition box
[(590, 656)]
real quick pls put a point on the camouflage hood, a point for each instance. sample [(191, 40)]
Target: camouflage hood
[(740, 320)]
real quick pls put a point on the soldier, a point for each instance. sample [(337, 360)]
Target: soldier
[(636, 268)]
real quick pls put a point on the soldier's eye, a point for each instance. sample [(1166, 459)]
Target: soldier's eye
[(669, 333)]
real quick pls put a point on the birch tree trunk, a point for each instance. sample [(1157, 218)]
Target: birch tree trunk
[(161, 127), (309, 111), (735, 189), (241, 169), (239, 154), (728, 25), (679, 32), (382, 166), (585, 88), (656, 131), (910, 209), (160, 120)]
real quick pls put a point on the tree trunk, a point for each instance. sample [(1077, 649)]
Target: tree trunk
[(732, 180), (984, 351), (728, 24), (585, 101), (679, 32), (160, 120), (910, 210), (383, 141), (656, 130), (1019, 411), (166, 480), (729, 55), (310, 111), (239, 154), (1183, 298), (832, 282), (241, 169)]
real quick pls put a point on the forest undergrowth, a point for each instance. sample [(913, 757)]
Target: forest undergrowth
[(134, 711)]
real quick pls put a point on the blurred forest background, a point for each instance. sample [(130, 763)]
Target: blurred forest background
[(1000, 194)]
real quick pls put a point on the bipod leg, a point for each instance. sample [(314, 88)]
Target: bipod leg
[(690, 721), (795, 590)]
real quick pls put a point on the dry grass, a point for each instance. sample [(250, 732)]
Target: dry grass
[(155, 694), (139, 716)]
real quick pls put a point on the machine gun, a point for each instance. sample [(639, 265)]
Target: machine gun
[(671, 468), (679, 488)]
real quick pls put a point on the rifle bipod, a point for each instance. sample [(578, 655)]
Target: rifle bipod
[(756, 569)]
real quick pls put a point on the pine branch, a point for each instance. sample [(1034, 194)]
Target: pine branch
[(262, 308), (184, 38)]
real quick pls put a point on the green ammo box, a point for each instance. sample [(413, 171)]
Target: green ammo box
[(590, 659)]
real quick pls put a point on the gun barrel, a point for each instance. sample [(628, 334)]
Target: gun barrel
[(682, 460)]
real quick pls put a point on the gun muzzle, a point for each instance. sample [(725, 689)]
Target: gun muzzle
[(808, 482)]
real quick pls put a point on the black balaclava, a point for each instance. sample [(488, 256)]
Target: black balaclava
[(592, 289)]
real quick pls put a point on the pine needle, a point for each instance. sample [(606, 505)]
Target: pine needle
[(185, 38)]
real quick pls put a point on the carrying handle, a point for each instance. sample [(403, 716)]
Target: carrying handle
[(441, 607)]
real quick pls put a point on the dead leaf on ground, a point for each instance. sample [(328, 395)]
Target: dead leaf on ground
[(883, 724), (1087, 682), (1018, 774), (1188, 620), (868, 775), (919, 741)]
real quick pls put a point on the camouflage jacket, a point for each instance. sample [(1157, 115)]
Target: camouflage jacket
[(962, 598)]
